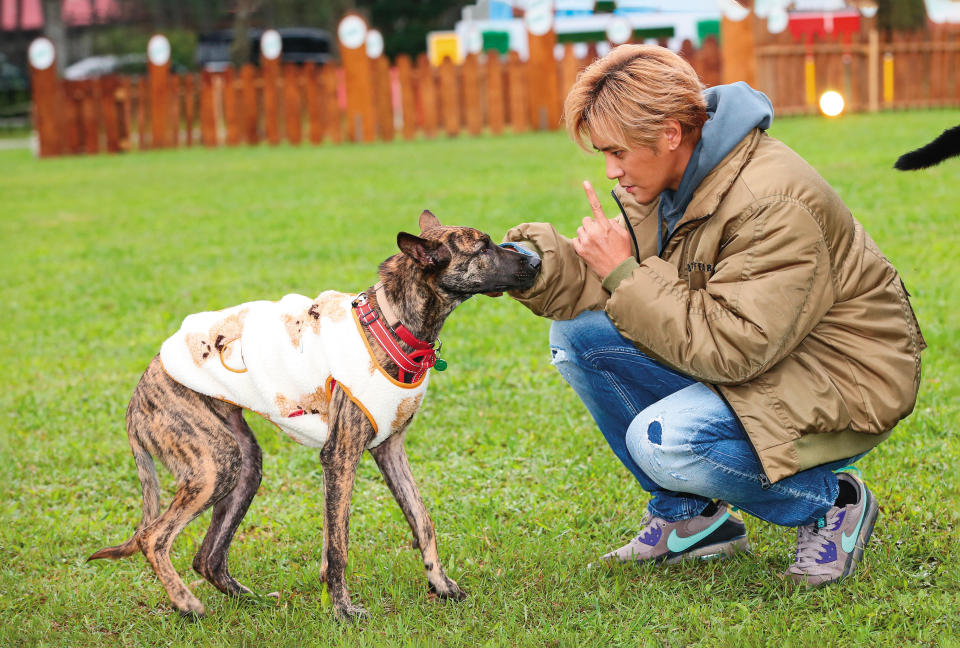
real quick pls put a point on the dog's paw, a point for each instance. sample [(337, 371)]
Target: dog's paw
[(191, 610), (350, 612), (450, 590)]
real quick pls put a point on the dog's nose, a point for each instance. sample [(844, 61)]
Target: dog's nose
[(534, 262)]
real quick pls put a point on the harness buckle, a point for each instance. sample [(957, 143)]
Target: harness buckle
[(368, 318)]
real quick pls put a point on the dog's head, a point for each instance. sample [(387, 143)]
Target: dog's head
[(464, 261)]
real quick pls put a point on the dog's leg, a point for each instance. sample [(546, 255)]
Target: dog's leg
[(211, 560), (391, 457), (190, 434), (326, 535), (208, 480), (350, 431)]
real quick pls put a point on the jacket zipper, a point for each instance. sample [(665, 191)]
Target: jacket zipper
[(765, 482), (626, 220)]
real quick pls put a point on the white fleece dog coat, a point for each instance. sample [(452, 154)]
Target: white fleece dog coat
[(280, 360)]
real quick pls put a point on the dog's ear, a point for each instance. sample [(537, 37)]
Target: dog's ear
[(428, 254), (428, 220)]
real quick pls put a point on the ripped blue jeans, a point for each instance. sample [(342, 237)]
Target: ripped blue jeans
[(679, 439)]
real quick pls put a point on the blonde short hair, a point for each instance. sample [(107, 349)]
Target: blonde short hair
[(626, 96)]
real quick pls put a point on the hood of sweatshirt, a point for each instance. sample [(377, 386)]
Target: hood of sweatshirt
[(733, 111)]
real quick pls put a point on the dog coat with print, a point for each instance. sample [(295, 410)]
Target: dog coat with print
[(280, 359)]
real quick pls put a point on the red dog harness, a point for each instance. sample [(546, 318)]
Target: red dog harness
[(412, 365)]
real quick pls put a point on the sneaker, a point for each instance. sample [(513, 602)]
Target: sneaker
[(830, 549), (718, 532)]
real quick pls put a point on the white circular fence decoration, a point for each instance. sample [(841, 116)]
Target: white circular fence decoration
[(733, 10), (374, 43), (271, 44), (539, 17), (619, 31), (41, 53), (352, 32), (158, 50), (777, 21)]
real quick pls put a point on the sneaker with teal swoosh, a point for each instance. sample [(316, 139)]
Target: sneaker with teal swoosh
[(718, 532), (829, 549)]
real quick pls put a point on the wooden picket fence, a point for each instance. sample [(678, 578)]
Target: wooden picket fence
[(316, 104), (900, 70), (292, 103)]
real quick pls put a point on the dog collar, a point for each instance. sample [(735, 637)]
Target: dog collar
[(412, 365)]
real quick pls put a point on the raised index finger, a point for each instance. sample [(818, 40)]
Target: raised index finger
[(594, 201)]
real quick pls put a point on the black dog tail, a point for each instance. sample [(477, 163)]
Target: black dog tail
[(944, 147), (150, 489)]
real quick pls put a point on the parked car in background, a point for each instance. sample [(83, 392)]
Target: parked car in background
[(93, 67), (300, 45)]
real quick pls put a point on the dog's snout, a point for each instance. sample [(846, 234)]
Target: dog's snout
[(534, 263)]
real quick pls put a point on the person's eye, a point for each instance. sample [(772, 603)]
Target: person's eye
[(618, 154)]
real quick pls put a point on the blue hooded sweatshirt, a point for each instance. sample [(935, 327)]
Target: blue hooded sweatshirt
[(732, 112)]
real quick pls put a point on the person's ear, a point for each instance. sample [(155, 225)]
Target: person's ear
[(672, 134)]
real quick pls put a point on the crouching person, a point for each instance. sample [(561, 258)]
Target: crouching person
[(735, 333)]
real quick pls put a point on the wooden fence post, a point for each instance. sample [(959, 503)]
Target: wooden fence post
[(189, 106), (471, 95), (569, 69), (332, 120), (361, 123), (47, 114), (231, 107), (88, 111), (496, 100), (738, 50), (408, 104), (428, 95), (383, 97), (270, 48), (110, 111), (251, 127), (174, 91), (208, 110), (516, 90), (311, 84), (158, 71), (292, 111), (543, 102), (449, 100)]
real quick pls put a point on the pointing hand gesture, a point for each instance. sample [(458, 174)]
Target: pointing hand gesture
[(601, 243)]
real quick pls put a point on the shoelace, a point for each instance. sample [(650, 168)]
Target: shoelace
[(648, 525), (812, 541)]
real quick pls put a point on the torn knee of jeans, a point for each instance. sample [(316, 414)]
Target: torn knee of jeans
[(655, 431), (557, 355)]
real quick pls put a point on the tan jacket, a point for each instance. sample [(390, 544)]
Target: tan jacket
[(769, 291)]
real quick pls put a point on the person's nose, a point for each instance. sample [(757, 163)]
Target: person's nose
[(614, 170)]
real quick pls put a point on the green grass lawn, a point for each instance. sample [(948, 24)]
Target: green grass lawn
[(103, 256)]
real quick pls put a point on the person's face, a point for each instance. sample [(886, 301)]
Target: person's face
[(644, 172)]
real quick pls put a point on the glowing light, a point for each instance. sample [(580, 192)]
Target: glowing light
[(831, 103)]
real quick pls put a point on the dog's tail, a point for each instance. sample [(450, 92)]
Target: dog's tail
[(944, 147), (150, 489)]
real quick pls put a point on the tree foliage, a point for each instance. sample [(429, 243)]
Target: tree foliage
[(895, 15)]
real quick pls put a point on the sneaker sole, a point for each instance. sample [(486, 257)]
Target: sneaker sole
[(711, 552)]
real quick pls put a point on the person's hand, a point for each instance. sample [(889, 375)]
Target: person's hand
[(600, 242)]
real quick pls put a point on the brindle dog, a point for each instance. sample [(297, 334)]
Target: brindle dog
[(210, 449)]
